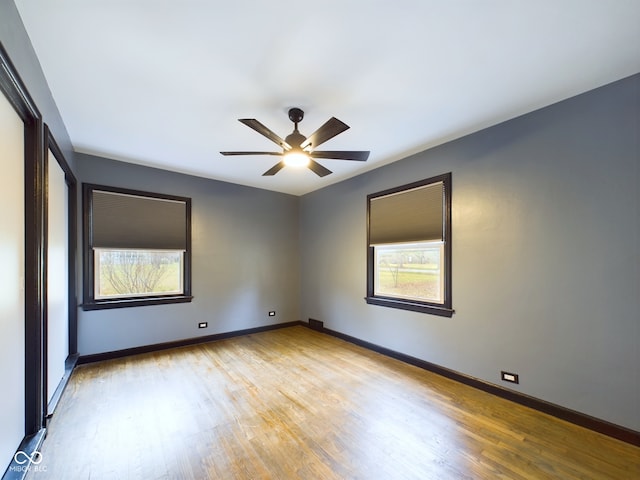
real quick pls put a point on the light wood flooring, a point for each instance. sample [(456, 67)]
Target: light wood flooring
[(295, 403)]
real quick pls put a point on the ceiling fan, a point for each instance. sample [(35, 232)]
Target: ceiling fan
[(298, 150)]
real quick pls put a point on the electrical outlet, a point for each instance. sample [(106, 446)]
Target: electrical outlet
[(509, 377), (203, 325), (272, 313)]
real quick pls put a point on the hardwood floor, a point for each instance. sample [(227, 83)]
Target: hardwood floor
[(295, 403)]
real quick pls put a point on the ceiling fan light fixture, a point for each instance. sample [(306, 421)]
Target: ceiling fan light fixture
[(297, 159), (299, 151)]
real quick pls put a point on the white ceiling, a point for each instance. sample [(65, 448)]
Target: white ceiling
[(162, 83)]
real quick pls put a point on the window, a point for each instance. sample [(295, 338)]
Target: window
[(123, 273), (409, 247), (136, 249)]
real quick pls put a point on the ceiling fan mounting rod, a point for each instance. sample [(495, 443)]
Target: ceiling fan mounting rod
[(295, 139)]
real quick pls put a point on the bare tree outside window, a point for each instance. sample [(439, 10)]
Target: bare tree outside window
[(138, 272), (410, 270)]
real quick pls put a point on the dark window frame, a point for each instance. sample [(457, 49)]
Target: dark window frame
[(446, 308), (90, 302)]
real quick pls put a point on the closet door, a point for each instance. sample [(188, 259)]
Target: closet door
[(12, 280), (57, 328)]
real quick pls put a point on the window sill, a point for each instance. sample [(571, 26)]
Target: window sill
[(134, 302), (411, 306)]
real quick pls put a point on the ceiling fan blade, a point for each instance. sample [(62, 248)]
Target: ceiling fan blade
[(357, 155), (318, 169), (273, 170), (262, 130), (251, 153), (330, 129)]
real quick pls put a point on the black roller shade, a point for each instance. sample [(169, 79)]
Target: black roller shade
[(133, 221), (408, 216)]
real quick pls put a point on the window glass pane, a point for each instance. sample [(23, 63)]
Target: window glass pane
[(410, 270), (127, 273)]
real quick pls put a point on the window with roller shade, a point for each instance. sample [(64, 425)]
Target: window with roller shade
[(409, 247), (137, 248)]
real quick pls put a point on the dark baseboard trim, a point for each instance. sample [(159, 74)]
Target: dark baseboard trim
[(601, 426), (98, 357), (29, 445)]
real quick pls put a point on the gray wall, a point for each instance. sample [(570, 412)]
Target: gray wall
[(545, 255), (245, 261), (16, 42)]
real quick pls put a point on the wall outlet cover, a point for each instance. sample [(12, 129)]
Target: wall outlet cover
[(509, 377)]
